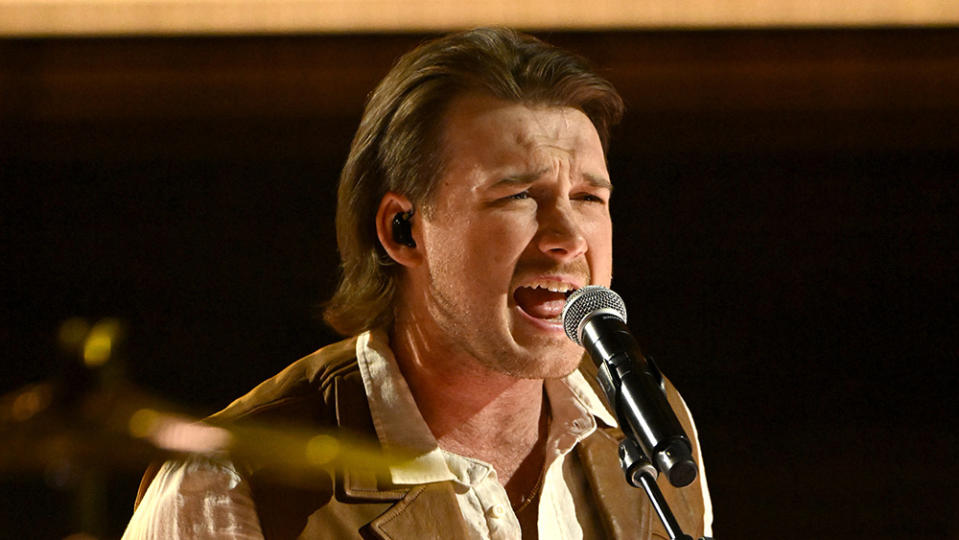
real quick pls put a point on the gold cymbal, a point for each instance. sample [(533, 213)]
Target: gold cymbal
[(123, 427), (91, 417)]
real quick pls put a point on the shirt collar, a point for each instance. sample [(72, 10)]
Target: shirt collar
[(583, 393), (396, 418), (400, 426)]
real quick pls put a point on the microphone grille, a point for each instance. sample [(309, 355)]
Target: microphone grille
[(586, 301)]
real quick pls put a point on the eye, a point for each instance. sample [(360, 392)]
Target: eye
[(589, 197), (519, 196)]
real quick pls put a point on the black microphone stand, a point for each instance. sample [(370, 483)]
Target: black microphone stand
[(641, 473), (637, 467)]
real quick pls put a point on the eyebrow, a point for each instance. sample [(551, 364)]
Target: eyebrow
[(527, 179), (598, 181)]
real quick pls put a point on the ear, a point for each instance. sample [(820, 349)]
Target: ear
[(391, 205)]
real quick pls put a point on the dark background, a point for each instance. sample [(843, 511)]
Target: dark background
[(785, 237)]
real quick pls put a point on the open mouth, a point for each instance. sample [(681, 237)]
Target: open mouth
[(543, 300)]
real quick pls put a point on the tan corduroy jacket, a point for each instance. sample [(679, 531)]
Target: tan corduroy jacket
[(325, 390)]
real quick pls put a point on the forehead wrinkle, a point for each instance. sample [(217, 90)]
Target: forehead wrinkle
[(540, 139), (555, 129), (520, 179)]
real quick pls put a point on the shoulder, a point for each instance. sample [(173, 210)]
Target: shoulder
[(308, 382), (195, 497)]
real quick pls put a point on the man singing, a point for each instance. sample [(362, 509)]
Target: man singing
[(474, 198)]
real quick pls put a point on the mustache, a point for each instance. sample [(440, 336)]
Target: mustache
[(577, 268)]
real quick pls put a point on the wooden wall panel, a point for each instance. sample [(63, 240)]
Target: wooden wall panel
[(785, 237)]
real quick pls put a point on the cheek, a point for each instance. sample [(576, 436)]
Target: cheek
[(476, 250), (499, 243), (601, 249)]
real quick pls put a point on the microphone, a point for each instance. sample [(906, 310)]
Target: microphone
[(595, 318)]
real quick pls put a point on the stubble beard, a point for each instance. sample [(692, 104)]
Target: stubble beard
[(452, 319)]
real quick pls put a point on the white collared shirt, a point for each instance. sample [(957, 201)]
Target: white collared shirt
[(575, 409)]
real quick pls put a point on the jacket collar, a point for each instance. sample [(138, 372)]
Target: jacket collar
[(428, 510)]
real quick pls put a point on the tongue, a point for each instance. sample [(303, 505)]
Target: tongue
[(540, 303)]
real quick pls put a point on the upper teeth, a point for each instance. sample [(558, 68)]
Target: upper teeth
[(552, 286)]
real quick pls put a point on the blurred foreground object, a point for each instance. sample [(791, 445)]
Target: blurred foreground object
[(89, 416), (88, 423)]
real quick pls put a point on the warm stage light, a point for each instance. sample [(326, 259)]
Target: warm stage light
[(178, 17)]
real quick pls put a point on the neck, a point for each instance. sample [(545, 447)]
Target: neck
[(471, 409)]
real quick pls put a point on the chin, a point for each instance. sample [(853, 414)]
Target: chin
[(552, 361)]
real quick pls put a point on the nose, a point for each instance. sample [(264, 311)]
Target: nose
[(560, 236)]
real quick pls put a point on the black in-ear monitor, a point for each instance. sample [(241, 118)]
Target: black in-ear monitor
[(403, 228)]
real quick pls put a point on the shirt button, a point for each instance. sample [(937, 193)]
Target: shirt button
[(497, 511)]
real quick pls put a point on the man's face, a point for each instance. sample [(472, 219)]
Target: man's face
[(520, 216)]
